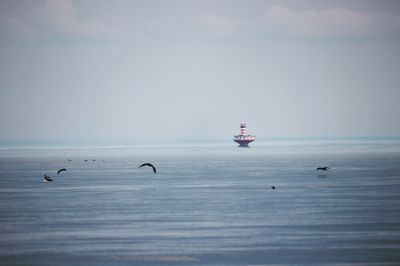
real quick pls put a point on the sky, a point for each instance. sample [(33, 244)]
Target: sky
[(185, 69)]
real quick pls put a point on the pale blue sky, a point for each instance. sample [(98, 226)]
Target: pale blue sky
[(149, 70)]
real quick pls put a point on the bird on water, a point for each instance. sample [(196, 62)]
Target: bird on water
[(61, 170), (47, 178), (324, 168), (150, 165)]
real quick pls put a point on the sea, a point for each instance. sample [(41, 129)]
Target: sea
[(210, 203)]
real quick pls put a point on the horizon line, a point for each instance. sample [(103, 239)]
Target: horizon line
[(120, 142)]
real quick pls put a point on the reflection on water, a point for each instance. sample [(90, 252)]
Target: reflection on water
[(205, 206)]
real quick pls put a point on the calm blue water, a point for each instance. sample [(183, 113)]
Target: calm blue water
[(209, 204)]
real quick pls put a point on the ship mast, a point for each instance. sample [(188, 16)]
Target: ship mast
[(243, 129)]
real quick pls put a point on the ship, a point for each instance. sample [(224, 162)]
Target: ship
[(243, 138)]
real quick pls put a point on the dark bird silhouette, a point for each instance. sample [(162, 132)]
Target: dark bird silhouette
[(324, 168), (273, 187), (59, 171), (85, 160), (93, 160), (150, 165), (69, 160), (47, 178)]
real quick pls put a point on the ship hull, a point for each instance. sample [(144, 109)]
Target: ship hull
[(243, 143)]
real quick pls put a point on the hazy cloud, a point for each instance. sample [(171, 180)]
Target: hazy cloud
[(221, 24), (65, 20), (14, 27), (55, 19), (330, 23)]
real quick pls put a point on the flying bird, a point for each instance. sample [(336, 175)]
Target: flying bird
[(47, 178), (150, 165), (273, 187), (324, 168), (59, 171)]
